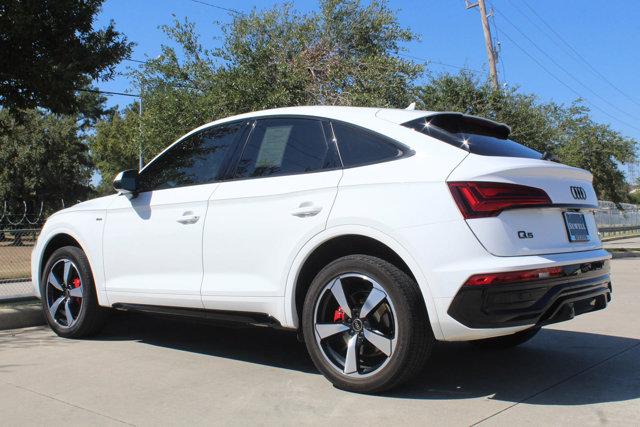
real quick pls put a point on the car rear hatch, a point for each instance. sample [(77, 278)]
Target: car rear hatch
[(555, 225), (515, 202)]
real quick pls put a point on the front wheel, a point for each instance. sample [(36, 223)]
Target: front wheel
[(68, 295), (365, 324)]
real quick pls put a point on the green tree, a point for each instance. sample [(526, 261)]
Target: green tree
[(112, 145), (569, 133), (345, 53), (43, 158), (532, 123), (634, 195), (50, 49), (596, 148)]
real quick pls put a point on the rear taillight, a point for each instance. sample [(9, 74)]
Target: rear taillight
[(513, 276), (479, 199)]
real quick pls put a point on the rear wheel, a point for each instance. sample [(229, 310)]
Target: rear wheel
[(365, 324), (68, 295), (507, 341)]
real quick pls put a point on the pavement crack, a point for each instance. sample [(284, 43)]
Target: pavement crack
[(562, 381), (67, 403)]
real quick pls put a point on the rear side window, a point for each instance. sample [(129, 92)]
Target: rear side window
[(472, 134), (284, 146), (361, 147), (195, 160)]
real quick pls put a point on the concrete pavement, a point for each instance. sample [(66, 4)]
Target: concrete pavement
[(148, 371)]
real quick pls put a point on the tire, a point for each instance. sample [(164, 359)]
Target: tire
[(397, 313), (73, 295), (507, 341)]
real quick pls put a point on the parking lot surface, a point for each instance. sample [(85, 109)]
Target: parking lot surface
[(146, 371)]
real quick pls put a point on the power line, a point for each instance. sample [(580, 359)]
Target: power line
[(567, 72), (437, 62), (534, 59), (227, 9), (541, 29), (242, 13), (135, 60), (587, 63), (106, 92)]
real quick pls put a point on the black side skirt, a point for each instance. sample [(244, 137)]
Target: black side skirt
[(202, 315)]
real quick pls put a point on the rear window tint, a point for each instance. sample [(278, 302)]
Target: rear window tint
[(361, 147), (482, 143)]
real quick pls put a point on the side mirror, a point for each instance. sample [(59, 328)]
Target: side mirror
[(126, 182)]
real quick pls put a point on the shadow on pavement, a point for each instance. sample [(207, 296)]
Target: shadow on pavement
[(460, 370), (263, 346), (455, 370)]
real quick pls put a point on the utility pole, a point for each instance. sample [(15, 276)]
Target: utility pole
[(140, 156), (491, 53), (140, 152)]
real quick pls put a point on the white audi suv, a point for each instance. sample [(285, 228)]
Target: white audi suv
[(372, 232)]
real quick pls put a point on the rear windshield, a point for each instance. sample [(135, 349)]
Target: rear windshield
[(470, 134)]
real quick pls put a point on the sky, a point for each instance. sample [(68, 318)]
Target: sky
[(557, 49)]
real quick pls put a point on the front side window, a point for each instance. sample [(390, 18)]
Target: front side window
[(193, 161), (284, 146), (361, 147)]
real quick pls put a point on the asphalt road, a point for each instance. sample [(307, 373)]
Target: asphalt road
[(149, 371)]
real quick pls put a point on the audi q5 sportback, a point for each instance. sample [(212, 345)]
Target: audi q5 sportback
[(372, 232)]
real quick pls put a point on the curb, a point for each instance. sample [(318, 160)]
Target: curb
[(624, 254), (21, 314), (614, 238)]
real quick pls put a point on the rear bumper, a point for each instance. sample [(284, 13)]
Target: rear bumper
[(583, 288)]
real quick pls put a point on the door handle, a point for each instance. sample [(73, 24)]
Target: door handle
[(188, 218), (306, 209)]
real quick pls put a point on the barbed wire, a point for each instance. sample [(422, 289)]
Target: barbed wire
[(21, 215)]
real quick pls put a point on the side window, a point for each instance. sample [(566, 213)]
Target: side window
[(193, 161), (360, 147), (286, 146)]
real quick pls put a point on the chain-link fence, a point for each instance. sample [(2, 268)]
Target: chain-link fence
[(15, 262), (20, 224), (19, 229), (615, 220)]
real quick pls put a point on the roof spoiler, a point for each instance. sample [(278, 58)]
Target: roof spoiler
[(464, 123)]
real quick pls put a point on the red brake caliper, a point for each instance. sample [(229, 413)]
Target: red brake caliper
[(76, 284), (338, 315)]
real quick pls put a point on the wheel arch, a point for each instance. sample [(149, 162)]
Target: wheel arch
[(342, 241), (54, 243), (55, 238)]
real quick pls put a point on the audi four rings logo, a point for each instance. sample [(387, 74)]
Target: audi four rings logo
[(578, 193)]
